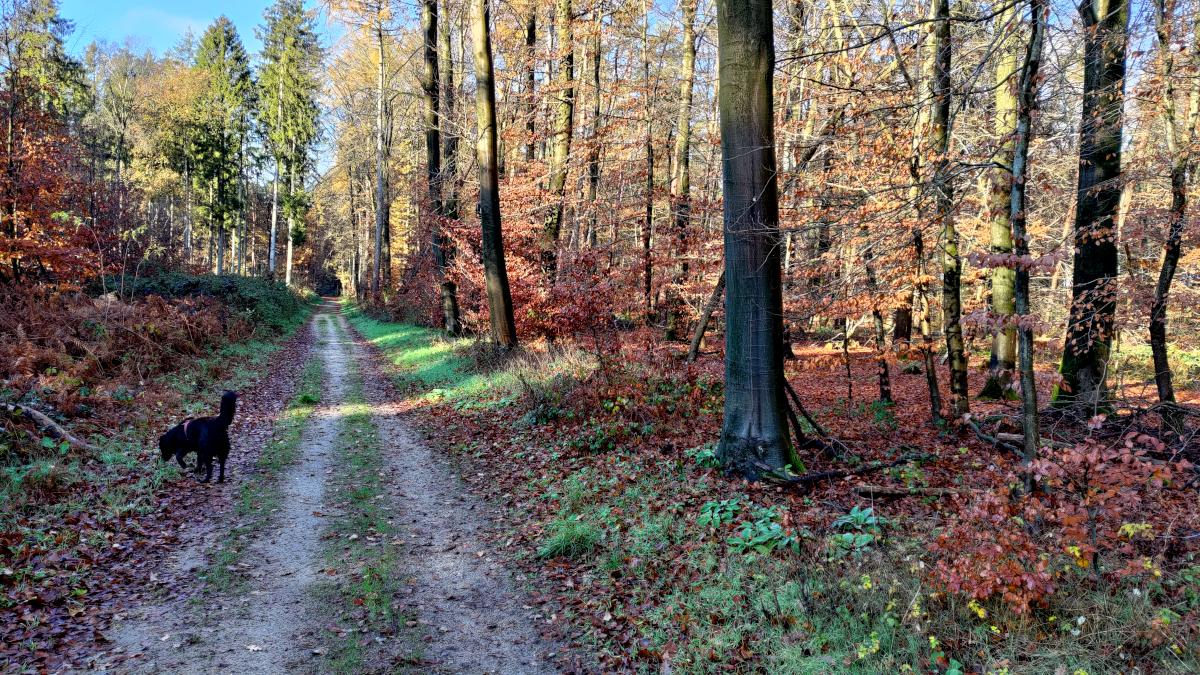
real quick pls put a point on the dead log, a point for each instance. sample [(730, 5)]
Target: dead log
[(770, 476), (52, 426), (886, 491)]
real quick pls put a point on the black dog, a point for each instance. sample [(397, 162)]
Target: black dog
[(208, 437)]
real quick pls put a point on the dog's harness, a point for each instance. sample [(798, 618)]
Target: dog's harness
[(185, 423)]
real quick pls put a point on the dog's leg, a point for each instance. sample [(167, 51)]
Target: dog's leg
[(179, 458), (221, 478)]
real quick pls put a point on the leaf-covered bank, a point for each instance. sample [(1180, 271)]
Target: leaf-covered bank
[(642, 553)]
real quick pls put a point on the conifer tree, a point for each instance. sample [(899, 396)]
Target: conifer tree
[(230, 102), (288, 87)]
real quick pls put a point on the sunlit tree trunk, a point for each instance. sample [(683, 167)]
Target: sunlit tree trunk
[(648, 223), (563, 113), (944, 203), (449, 174), (681, 186), (1094, 280), (1002, 362), (291, 232), (381, 207), (530, 81), (1179, 150), (504, 330), (916, 167), (593, 160), (755, 437)]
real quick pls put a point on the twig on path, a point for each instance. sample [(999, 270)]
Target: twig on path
[(55, 430)]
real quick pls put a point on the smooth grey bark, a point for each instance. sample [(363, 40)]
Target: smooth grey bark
[(754, 437), (1094, 278), (504, 330)]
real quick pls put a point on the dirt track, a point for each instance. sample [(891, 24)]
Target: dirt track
[(468, 615)]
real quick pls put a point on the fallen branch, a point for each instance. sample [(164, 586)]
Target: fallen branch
[(994, 442), (55, 430), (824, 435), (1018, 438), (884, 491), (833, 475)]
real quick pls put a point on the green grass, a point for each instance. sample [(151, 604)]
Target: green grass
[(258, 497)]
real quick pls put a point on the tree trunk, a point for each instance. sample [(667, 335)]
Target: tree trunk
[(943, 195), (648, 224), (433, 149), (593, 160), (681, 186), (290, 226), (902, 321), (1179, 151), (380, 188), (504, 330), (1093, 281), (187, 219), (1002, 362), (530, 82), (563, 114), (755, 436), (1026, 102), (702, 324), (449, 181), (921, 119)]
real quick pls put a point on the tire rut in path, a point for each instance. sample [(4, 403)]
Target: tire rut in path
[(464, 593), (265, 631)]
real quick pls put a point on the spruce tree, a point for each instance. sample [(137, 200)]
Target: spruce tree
[(230, 102)]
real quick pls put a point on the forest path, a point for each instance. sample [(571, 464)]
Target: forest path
[(466, 615)]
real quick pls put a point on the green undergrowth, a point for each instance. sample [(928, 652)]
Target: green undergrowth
[(443, 370), (258, 497), (671, 560), (256, 299), (362, 579)]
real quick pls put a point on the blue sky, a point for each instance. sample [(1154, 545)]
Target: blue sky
[(158, 23)]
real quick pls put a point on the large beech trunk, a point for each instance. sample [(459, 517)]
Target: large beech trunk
[(755, 436), (1094, 280)]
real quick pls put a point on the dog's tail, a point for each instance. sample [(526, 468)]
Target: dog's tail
[(228, 407)]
